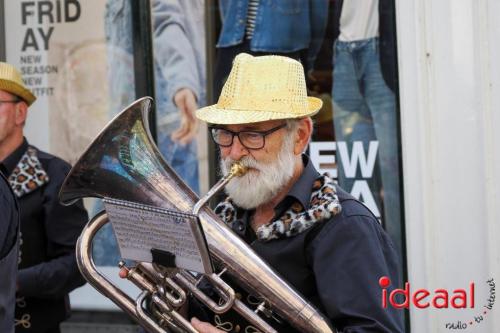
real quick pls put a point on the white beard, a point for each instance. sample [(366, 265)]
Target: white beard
[(255, 188)]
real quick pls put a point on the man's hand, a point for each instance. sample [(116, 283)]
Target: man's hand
[(185, 100), (204, 327)]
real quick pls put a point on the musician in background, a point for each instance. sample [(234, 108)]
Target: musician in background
[(322, 240), (47, 263)]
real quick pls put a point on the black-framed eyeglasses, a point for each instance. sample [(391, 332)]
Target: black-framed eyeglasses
[(10, 101), (249, 139)]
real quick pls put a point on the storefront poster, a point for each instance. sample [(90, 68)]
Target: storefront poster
[(59, 47)]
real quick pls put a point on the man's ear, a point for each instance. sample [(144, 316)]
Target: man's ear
[(21, 113), (303, 135)]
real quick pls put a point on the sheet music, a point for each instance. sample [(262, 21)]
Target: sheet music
[(138, 228)]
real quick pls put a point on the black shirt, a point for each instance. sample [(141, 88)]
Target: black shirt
[(337, 263)]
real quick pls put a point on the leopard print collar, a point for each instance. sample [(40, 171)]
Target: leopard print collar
[(324, 204), (29, 174)]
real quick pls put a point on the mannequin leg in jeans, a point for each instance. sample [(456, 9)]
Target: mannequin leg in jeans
[(381, 102), (352, 121), (360, 89)]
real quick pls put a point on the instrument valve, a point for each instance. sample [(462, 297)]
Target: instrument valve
[(262, 307), (222, 272)]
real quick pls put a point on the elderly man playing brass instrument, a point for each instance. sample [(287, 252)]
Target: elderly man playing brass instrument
[(324, 242)]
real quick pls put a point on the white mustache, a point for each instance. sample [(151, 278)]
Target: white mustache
[(245, 161)]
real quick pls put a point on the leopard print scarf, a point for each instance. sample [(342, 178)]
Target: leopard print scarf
[(28, 175), (324, 204)]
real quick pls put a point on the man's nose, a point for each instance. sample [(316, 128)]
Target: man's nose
[(237, 149)]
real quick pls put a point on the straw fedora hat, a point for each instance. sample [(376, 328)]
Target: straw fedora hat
[(259, 89), (11, 81)]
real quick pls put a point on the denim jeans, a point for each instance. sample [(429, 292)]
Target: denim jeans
[(365, 110)]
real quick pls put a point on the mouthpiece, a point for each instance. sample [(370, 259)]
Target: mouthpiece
[(238, 169)]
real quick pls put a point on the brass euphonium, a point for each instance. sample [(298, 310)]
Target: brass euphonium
[(124, 163)]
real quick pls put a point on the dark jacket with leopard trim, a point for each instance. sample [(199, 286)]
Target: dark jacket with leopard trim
[(47, 267), (335, 263)]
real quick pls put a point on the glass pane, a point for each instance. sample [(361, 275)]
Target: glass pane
[(121, 85), (179, 67), (348, 50), (357, 137), (352, 67), (76, 58)]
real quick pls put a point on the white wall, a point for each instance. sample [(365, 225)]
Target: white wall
[(450, 108)]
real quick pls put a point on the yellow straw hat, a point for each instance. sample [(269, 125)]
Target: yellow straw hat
[(11, 81), (259, 89)]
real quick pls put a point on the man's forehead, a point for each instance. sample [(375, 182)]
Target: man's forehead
[(6, 94), (263, 125)]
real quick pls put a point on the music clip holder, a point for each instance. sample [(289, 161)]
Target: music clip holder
[(163, 258)]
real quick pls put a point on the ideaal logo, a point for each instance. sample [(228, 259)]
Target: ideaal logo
[(439, 299)]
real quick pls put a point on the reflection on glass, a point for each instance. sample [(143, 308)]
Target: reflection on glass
[(179, 55), (357, 65), (289, 28), (364, 101), (121, 85)]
